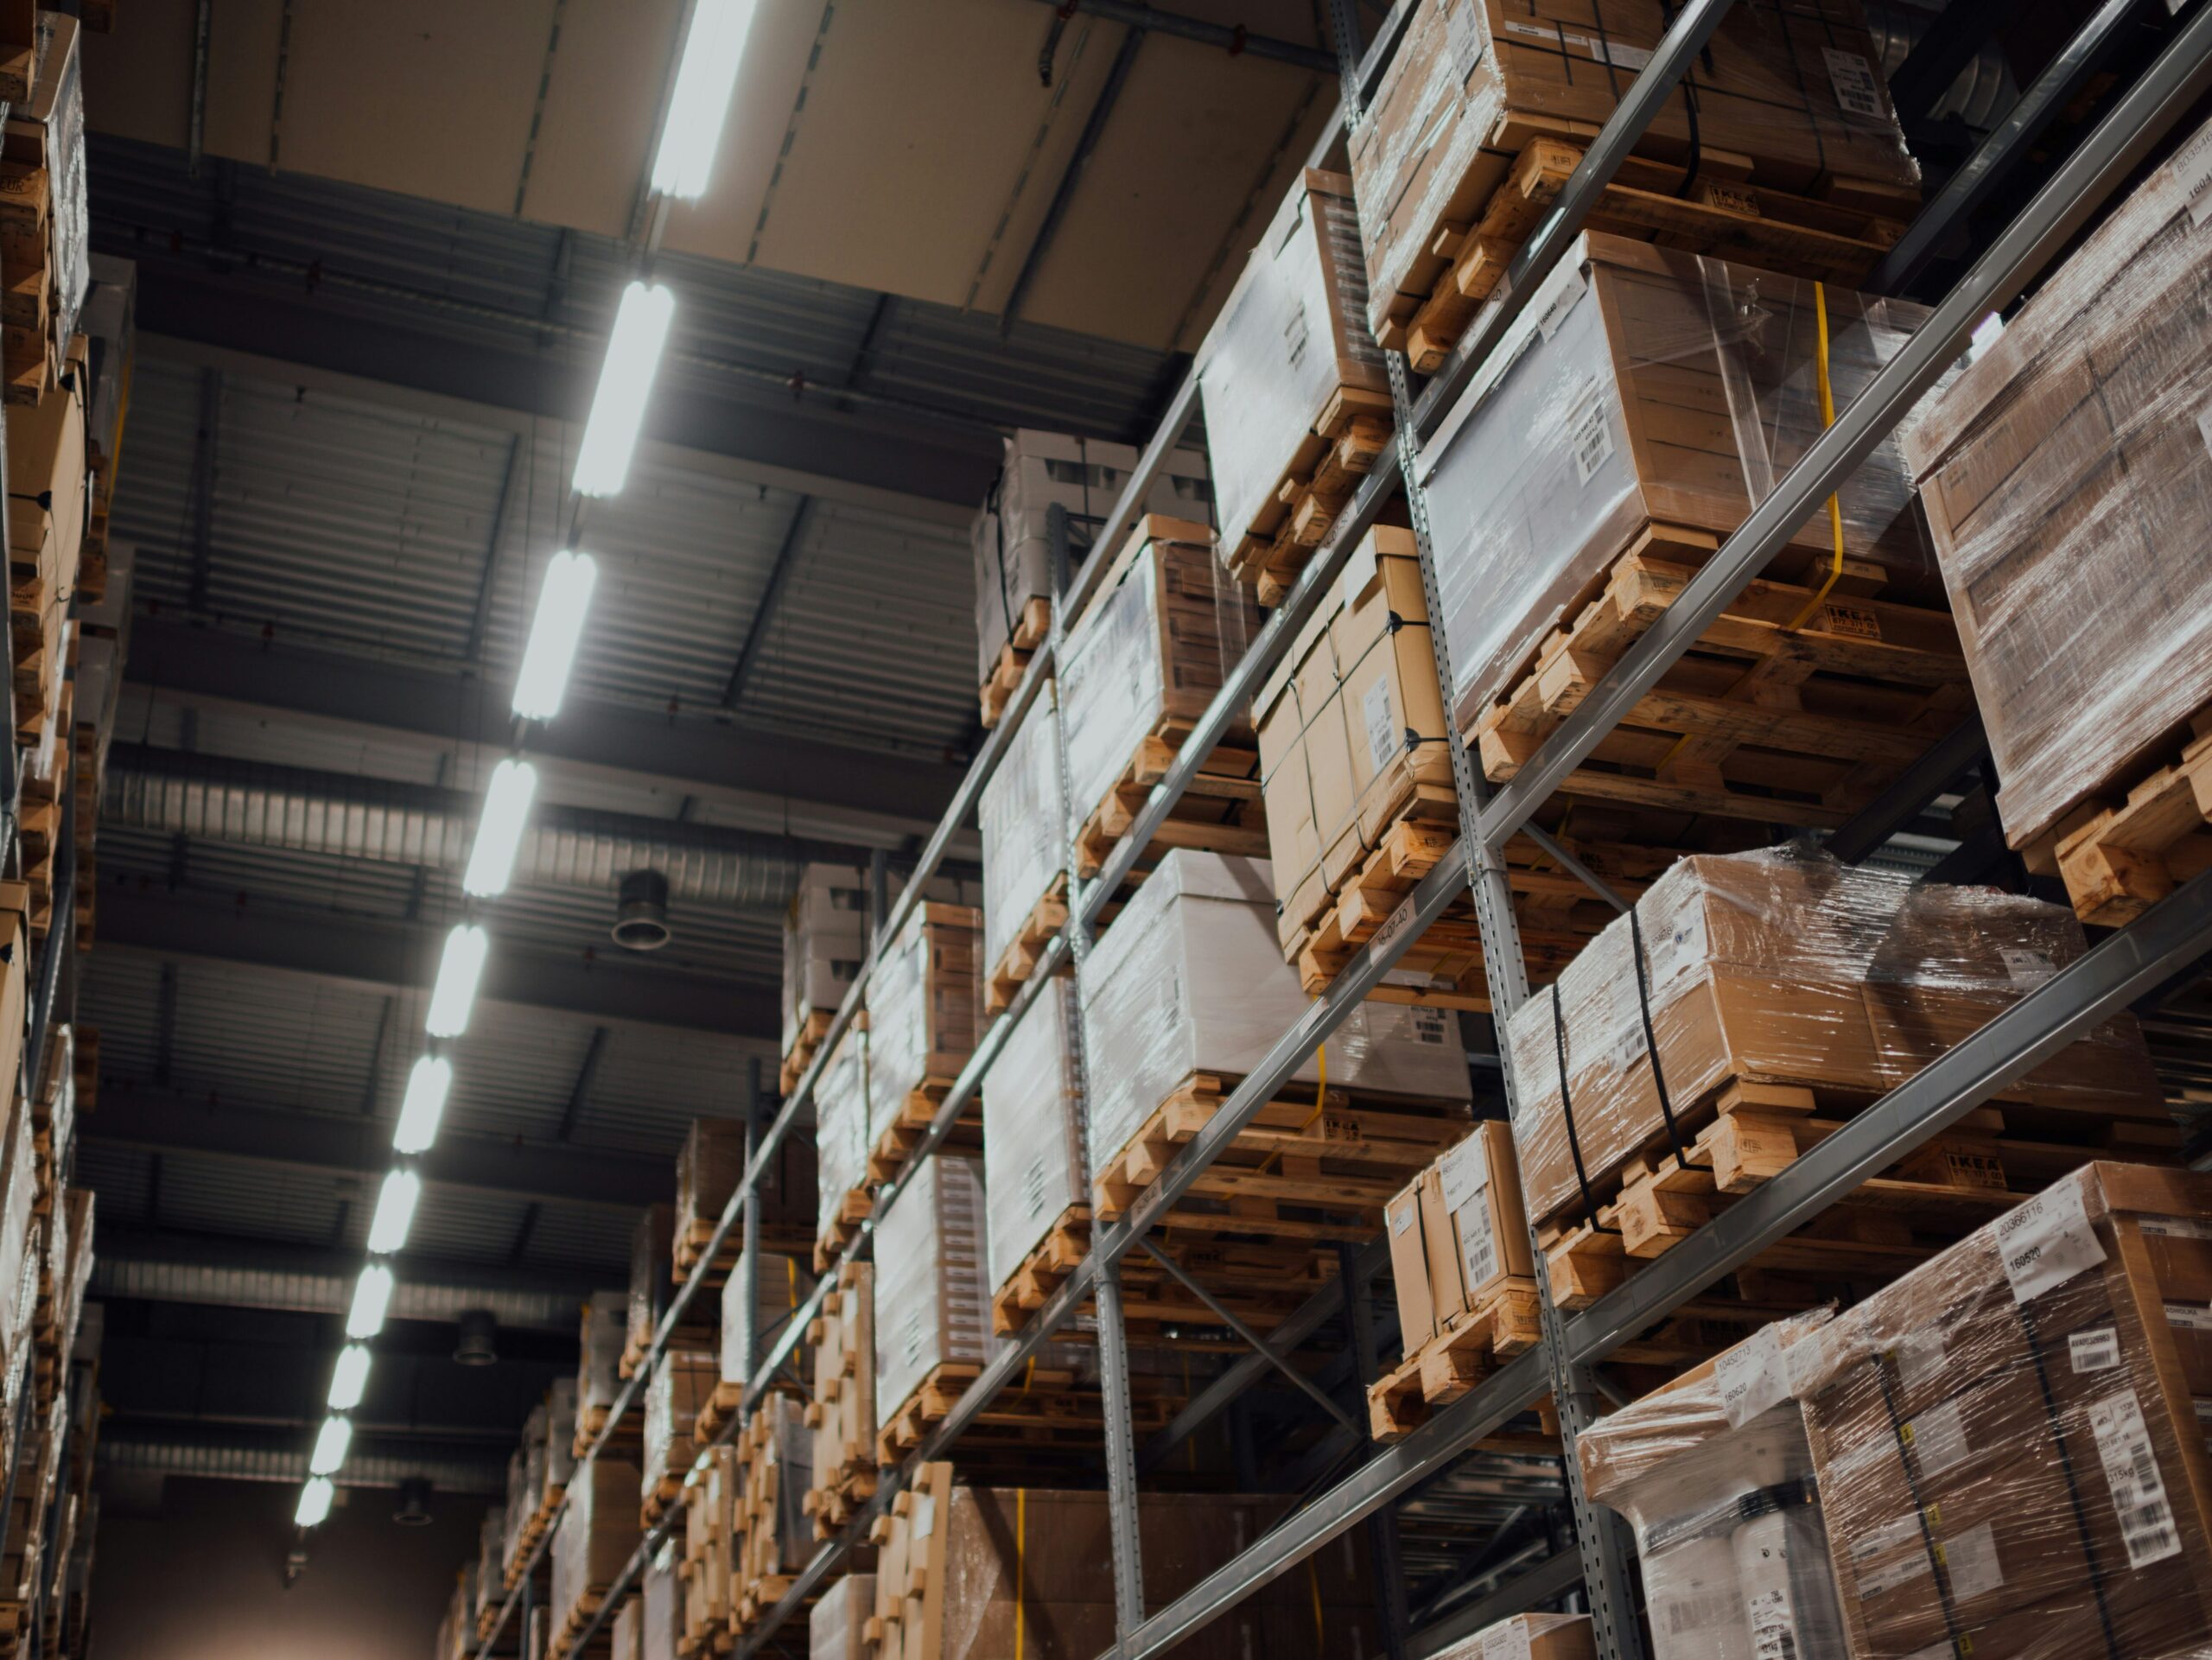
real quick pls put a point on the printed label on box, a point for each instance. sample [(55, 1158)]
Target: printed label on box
[(1591, 438), (2097, 1350), (2138, 1494), (1773, 1631), (2192, 166), (1478, 1250), (1890, 1575), (1402, 1217), (2047, 1241), (2189, 1316), (1507, 1642), (1971, 1560), (1938, 1437), (1465, 1173), (1749, 1377), (1621, 55), (2027, 968), (2176, 1227), (1852, 77), (1381, 731)]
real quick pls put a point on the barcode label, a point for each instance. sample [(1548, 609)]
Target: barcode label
[(1381, 731), (2146, 1521), (2189, 1316), (1032, 1191), (1478, 1250), (2027, 968), (2047, 1241), (1856, 91), (1773, 1633), (1751, 1377), (1428, 1027), (2095, 1351), (1701, 1608), (1507, 1642), (1591, 438)]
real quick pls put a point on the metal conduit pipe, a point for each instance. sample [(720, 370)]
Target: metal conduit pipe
[(239, 1463), (257, 805)]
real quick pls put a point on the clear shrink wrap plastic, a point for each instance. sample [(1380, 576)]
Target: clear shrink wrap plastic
[(923, 1004), (1530, 1636), (784, 1283), (1023, 820), (708, 1171), (1189, 978), (1642, 385), (627, 1627), (490, 1549), (779, 1469), (1157, 642), (560, 1436), (652, 1247), (932, 1307), (2008, 1440), (599, 1367), (57, 107), (1715, 1474), (840, 1143), (681, 1382), (1792, 84), (1292, 330), (2068, 477), (1783, 966), (663, 1607), (825, 939), (1034, 1166), (838, 1628), (1010, 538), (596, 1534)]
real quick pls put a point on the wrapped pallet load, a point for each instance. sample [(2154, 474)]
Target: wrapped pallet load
[(921, 1023), (1644, 401), (651, 1246), (1782, 126), (2066, 476), (775, 1538), (933, 1307), (841, 1184), (825, 941), (708, 1171), (838, 1629), (750, 1327), (597, 1534), (709, 1542), (560, 1440), (662, 1600), (1011, 537), (1022, 819), (682, 1382), (599, 1365), (842, 1412), (1035, 1178), (2009, 1441), (1715, 1474)]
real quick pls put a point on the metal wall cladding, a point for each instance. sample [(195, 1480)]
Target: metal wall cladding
[(364, 1468), (122, 1273)]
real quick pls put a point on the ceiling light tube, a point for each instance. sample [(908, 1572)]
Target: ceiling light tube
[(705, 78), (330, 1444), (395, 1212), (563, 602), (423, 1105), (372, 1296), (460, 967), (349, 1379), (314, 1502), (499, 832), (626, 383)]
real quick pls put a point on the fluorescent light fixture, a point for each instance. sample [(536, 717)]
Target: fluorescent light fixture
[(563, 602), (395, 1212), (626, 382), (371, 1295), (499, 832), (314, 1502), (705, 78), (423, 1105), (349, 1380), (330, 1444), (459, 969)]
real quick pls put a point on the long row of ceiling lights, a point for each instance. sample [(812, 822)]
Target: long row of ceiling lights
[(705, 75)]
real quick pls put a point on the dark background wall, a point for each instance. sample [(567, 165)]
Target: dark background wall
[(200, 1577)]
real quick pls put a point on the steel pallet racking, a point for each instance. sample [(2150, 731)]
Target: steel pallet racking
[(2119, 969)]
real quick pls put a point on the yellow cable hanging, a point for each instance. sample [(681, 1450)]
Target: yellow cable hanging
[(1835, 502), (1320, 1104), (1021, 1551)]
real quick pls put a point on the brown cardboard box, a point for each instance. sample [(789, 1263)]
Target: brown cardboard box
[(1403, 1225), (1474, 1231), (708, 1171), (838, 1628), (1787, 84), (47, 461), (1529, 1637)]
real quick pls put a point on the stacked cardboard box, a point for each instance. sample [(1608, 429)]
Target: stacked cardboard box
[(598, 1532), (1035, 1177), (46, 461), (1458, 1236), (750, 1327), (933, 1306), (1713, 1472), (605, 1329), (2009, 1441), (560, 1442), (1787, 94), (1531, 1637), (1297, 399), (707, 1171), (825, 942), (923, 1020), (489, 1577), (1011, 537), (775, 1538), (682, 1381), (525, 1493), (838, 1628), (706, 1571), (1023, 820), (109, 324), (661, 1625), (842, 1413), (2065, 476), (1784, 968), (44, 225), (841, 1145), (627, 1628)]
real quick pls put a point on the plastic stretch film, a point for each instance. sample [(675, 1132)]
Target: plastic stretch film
[(1291, 332), (2068, 477), (1644, 387), (775, 1536), (923, 1004), (825, 940), (1011, 537), (1532, 1637), (933, 1307), (1022, 820), (681, 1382), (560, 1436), (1715, 1474), (1189, 978), (1033, 1167), (598, 1368), (708, 1170), (840, 1125), (662, 1601), (2009, 1441), (50, 133), (1783, 966), (1791, 86), (1155, 646), (784, 1284), (836, 1630), (652, 1247), (597, 1532)]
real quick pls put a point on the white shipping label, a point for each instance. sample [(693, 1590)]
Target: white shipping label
[(2047, 1241), (1621, 55), (1751, 1377), (1920, 1355), (2176, 1227), (2096, 1350), (1428, 1027), (1591, 439), (1465, 1172), (1032, 1191), (1507, 1642), (1402, 1222), (2027, 968), (2146, 1521), (1971, 1561), (1898, 1530), (1891, 1574), (1773, 1629), (1465, 38), (1382, 744), (1939, 1438), (1852, 77), (1477, 1250), (2189, 1316)]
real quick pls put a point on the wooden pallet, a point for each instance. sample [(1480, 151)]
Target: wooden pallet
[(1047, 1414), (1759, 721), (1019, 960), (2119, 860), (586, 1609), (1219, 813), (800, 1055), (1776, 230), (1043, 1270), (842, 1226), (1005, 678), (1451, 1363), (591, 1423), (895, 1147), (659, 1499), (716, 1412), (1352, 434), (1932, 1198), (841, 1362)]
